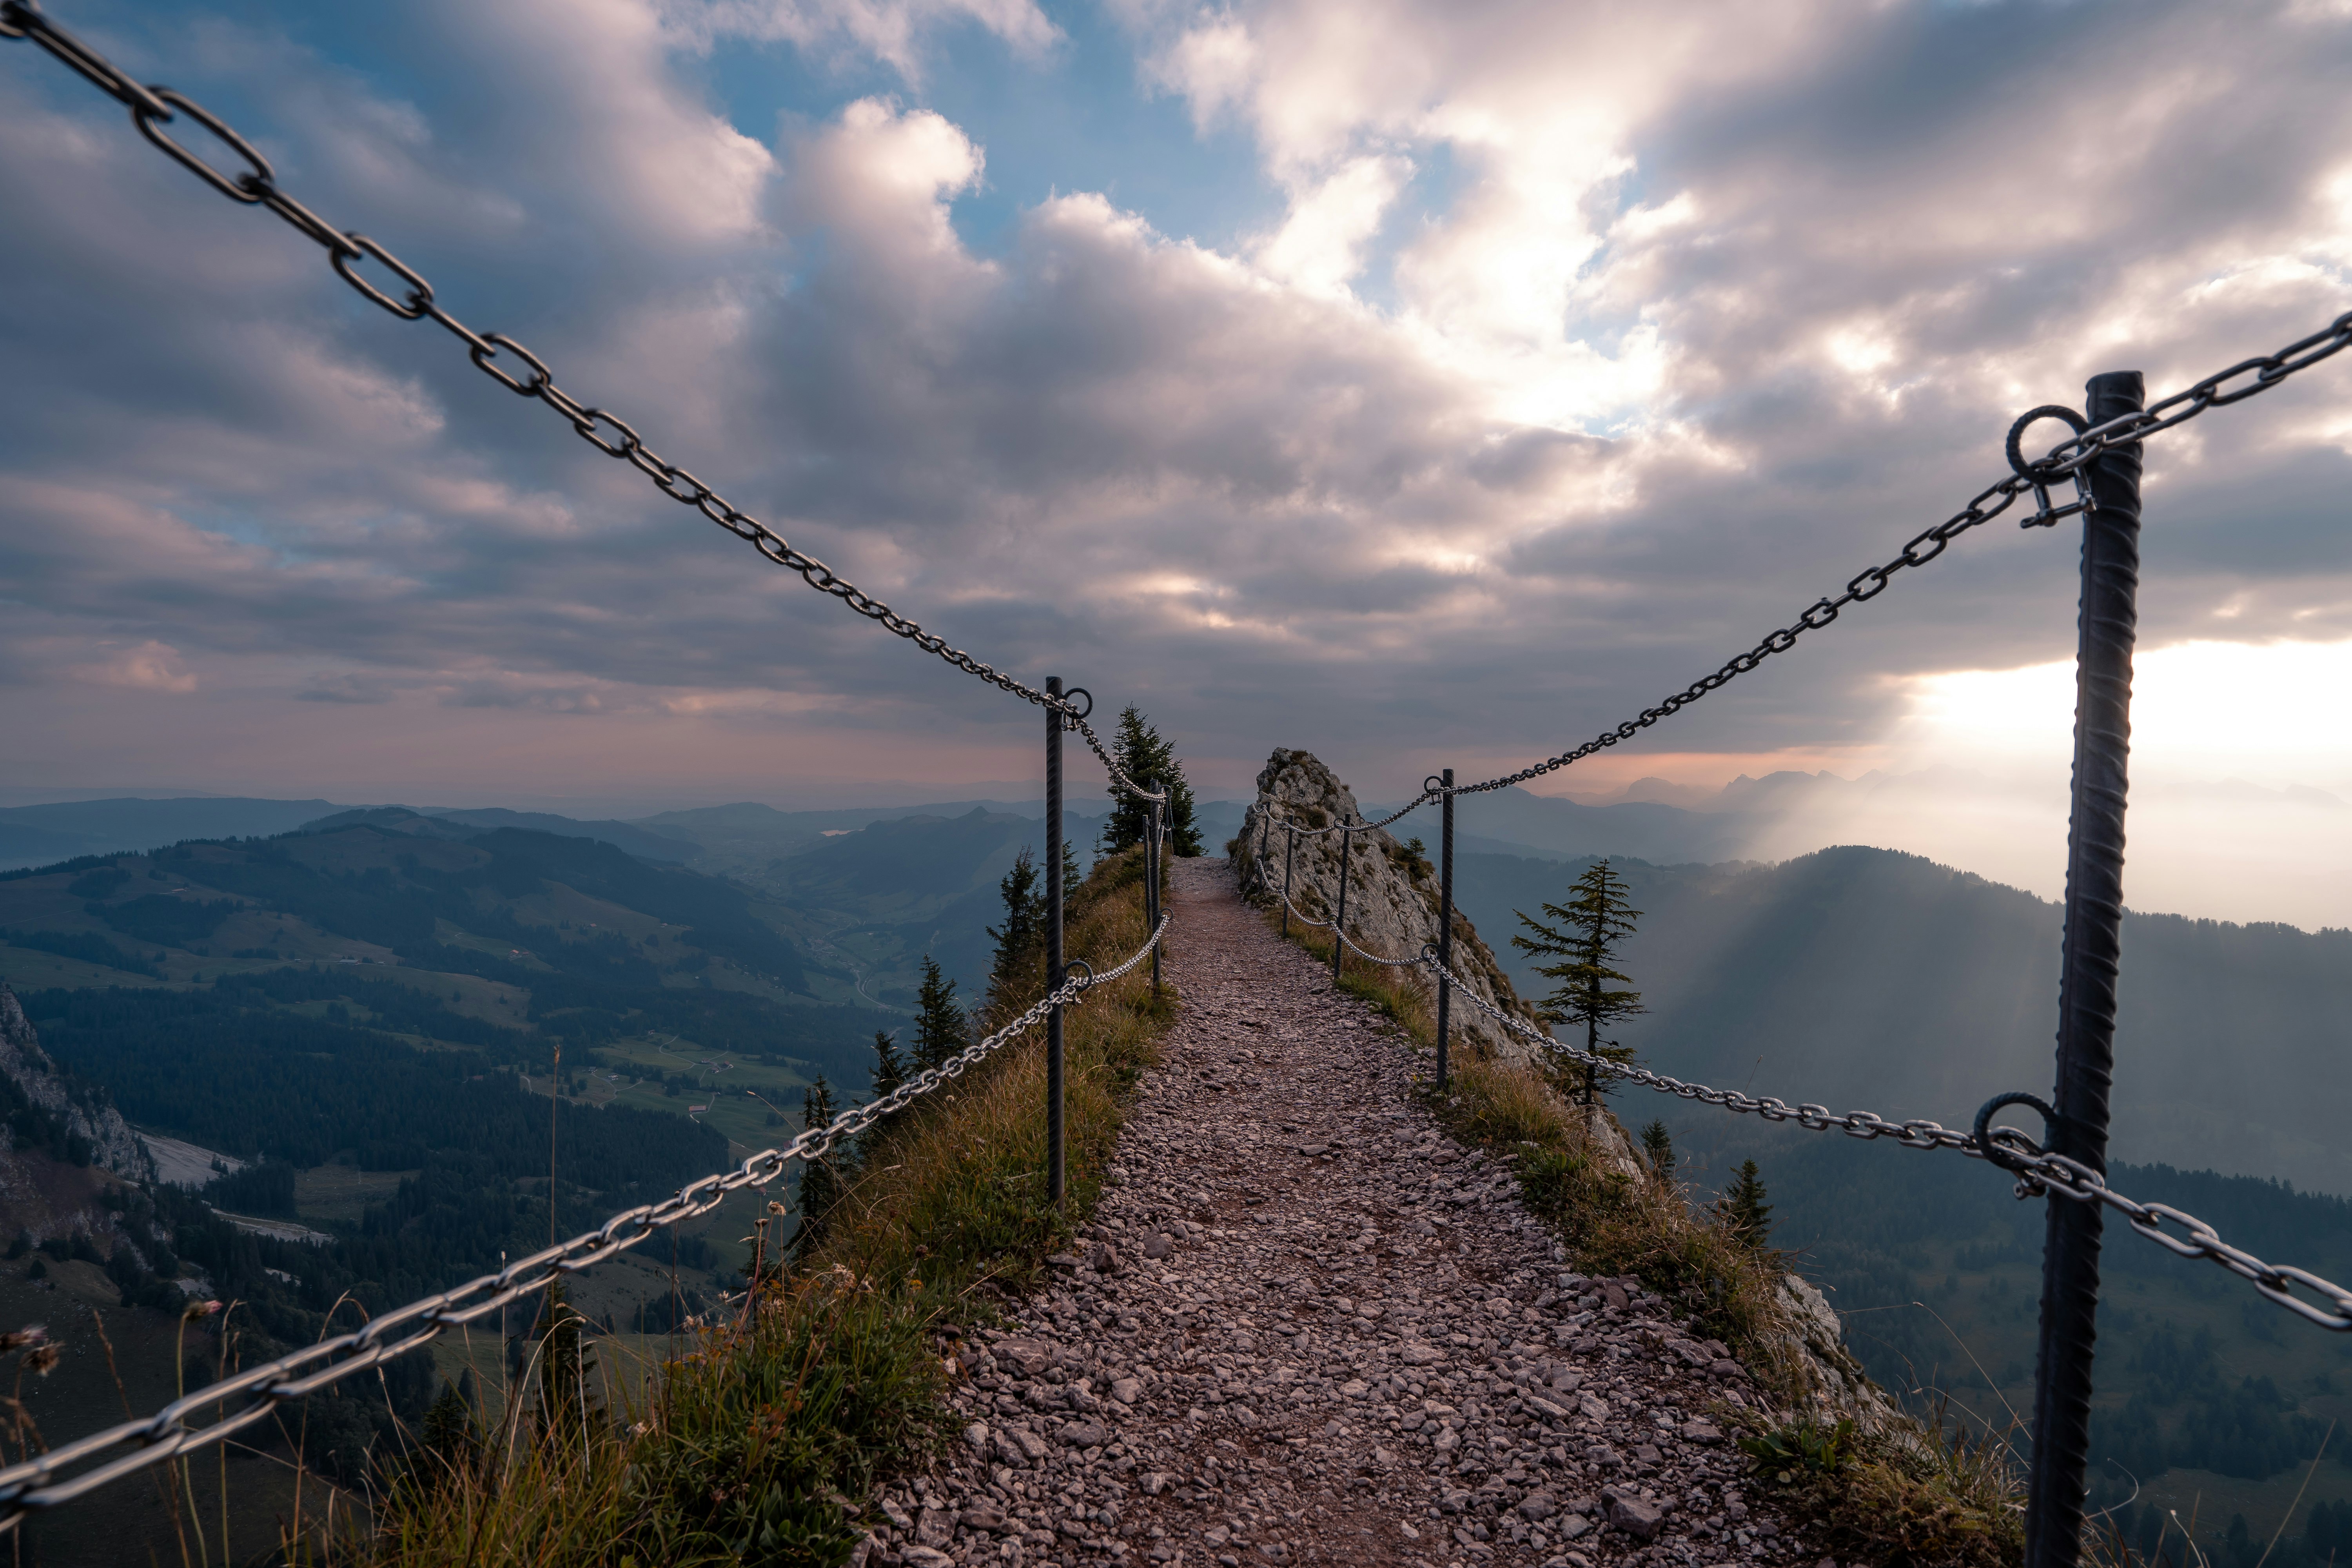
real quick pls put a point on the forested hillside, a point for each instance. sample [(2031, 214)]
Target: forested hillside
[(372, 1014), (2211, 1398), (564, 940)]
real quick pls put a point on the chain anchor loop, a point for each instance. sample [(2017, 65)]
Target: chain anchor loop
[(2001, 1146), (2037, 474)]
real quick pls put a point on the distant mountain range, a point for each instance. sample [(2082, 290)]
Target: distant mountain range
[(1863, 973), (44, 834), (1869, 979), (1514, 822)]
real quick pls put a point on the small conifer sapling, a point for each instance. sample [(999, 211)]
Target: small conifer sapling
[(1591, 926), (1021, 939), (943, 1032), (1659, 1145), (820, 1186), (1742, 1211), (889, 1063)]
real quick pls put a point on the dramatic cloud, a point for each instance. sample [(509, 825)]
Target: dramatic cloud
[(1588, 344)]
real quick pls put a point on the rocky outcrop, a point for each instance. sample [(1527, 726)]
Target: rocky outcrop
[(1392, 895), (1840, 1385), (85, 1113)]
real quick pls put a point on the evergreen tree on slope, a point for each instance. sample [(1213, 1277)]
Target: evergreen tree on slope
[(1021, 939), (890, 1065), (820, 1183), (943, 1032), (1742, 1211), (1593, 925), (1146, 756)]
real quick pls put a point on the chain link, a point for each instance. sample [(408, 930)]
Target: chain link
[(1374, 957), (1368, 957), (1415, 804), (257, 185), (2037, 1170), (33, 1484), (2268, 370)]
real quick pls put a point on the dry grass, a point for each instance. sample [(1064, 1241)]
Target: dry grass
[(1922, 1495)]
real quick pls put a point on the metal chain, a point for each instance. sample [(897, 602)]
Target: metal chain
[(2037, 1170), (32, 1484), (1415, 804), (1376, 958), (1343, 936), (2066, 460), (2268, 370), (255, 184), (2072, 1179)]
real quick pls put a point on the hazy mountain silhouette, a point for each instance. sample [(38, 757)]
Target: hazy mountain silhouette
[(1867, 978)]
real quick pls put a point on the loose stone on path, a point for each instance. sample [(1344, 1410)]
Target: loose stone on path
[(1306, 1327)]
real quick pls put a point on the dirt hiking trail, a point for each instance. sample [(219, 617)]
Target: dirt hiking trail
[(1304, 1326)]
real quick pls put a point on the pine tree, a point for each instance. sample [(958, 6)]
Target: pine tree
[(1144, 756), (1659, 1145), (890, 1072), (943, 1032), (1020, 941), (450, 1439), (1593, 923), (563, 1368), (1742, 1211), (820, 1181), (889, 1065)]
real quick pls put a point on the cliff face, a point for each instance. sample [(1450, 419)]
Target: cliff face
[(85, 1114), (1392, 898)]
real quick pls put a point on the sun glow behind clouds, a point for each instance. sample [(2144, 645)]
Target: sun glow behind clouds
[(2206, 710), (2242, 782)]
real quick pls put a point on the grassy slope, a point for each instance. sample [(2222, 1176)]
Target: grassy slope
[(749, 1443)]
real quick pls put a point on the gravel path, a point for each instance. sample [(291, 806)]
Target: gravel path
[(1306, 1327)]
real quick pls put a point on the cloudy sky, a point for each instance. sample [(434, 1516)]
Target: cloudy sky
[(1419, 384)]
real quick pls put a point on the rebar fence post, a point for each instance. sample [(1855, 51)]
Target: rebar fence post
[(1339, 926), (2086, 995), (1154, 835), (1054, 1162), (1445, 922), (1289, 854), (1150, 915)]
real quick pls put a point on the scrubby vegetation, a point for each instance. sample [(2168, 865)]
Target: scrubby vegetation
[(1929, 1494)]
